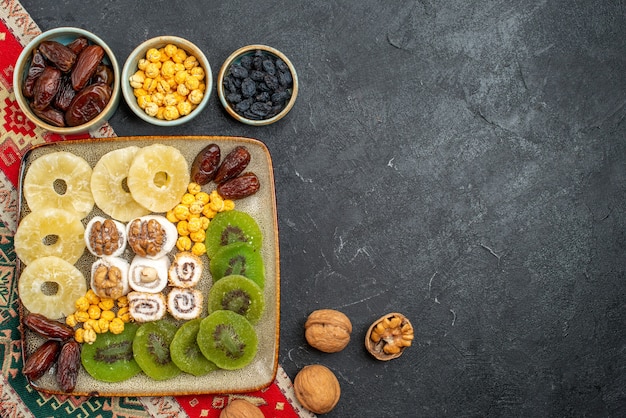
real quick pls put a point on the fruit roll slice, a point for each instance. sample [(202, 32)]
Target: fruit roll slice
[(186, 270), (184, 304), (146, 307)]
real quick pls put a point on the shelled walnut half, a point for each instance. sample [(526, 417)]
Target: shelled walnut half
[(389, 336)]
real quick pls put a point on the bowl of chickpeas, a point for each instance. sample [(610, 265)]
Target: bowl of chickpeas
[(166, 81)]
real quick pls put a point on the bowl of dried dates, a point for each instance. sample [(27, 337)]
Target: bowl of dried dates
[(167, 81), (66, 80), (257, 85)]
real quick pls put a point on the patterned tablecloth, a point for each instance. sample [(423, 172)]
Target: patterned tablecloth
[(17, 398)]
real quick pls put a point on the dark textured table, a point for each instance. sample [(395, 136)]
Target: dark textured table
[(461, 162)]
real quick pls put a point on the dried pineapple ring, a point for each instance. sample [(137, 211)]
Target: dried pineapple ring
[(70, 285), (107, 185), (50, 232), (46, 172), (158, 177)]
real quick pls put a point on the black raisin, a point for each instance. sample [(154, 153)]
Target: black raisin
[(271, 81), (234, 97), (280, 96), (248, 87), (260, 108), (238, 71), (251, 115), (243, 105), (276, 109), (229, 84), (257, 75), (281, 65), (263, 87), (285, 79), (263, 97), (268, 66), (257, 62), (246, 62)]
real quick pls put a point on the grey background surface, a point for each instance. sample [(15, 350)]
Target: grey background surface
[(461, 162)]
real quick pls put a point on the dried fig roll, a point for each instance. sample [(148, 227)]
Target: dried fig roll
[(41, 360), (146, 307)]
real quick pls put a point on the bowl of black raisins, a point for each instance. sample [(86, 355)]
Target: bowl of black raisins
[(257, 85)]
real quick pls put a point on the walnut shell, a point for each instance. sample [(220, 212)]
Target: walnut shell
[(317, 388), (389, 336), (240, 408), (328, 330)]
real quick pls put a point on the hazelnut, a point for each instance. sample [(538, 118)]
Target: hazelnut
[(317, 388), (389, 336), (328, 330), (240, 408)]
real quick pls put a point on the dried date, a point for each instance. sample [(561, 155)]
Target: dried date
[(48, 328), (87, 104), (78, 44), (86, 65), (234, 163), (205, 165), (50, 115), (103, 74), (37, 65), (68, 366), (41, 360), (245, 185), (60, 55), (46, 87), (65, 94)]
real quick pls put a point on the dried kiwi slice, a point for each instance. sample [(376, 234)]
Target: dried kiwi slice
[(238, 294), (230, 227), (186, 353), (238, 258), (110, 357), (227, 339), (151, 349)]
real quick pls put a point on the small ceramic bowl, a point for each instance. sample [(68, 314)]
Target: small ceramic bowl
[(248, 103), (65, 35), (145, 112)]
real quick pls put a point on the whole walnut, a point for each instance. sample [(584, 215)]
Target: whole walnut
[(240, 408), (317, 388), (328, 330)]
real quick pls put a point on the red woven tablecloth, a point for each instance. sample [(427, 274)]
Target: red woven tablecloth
[(17, 398)]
